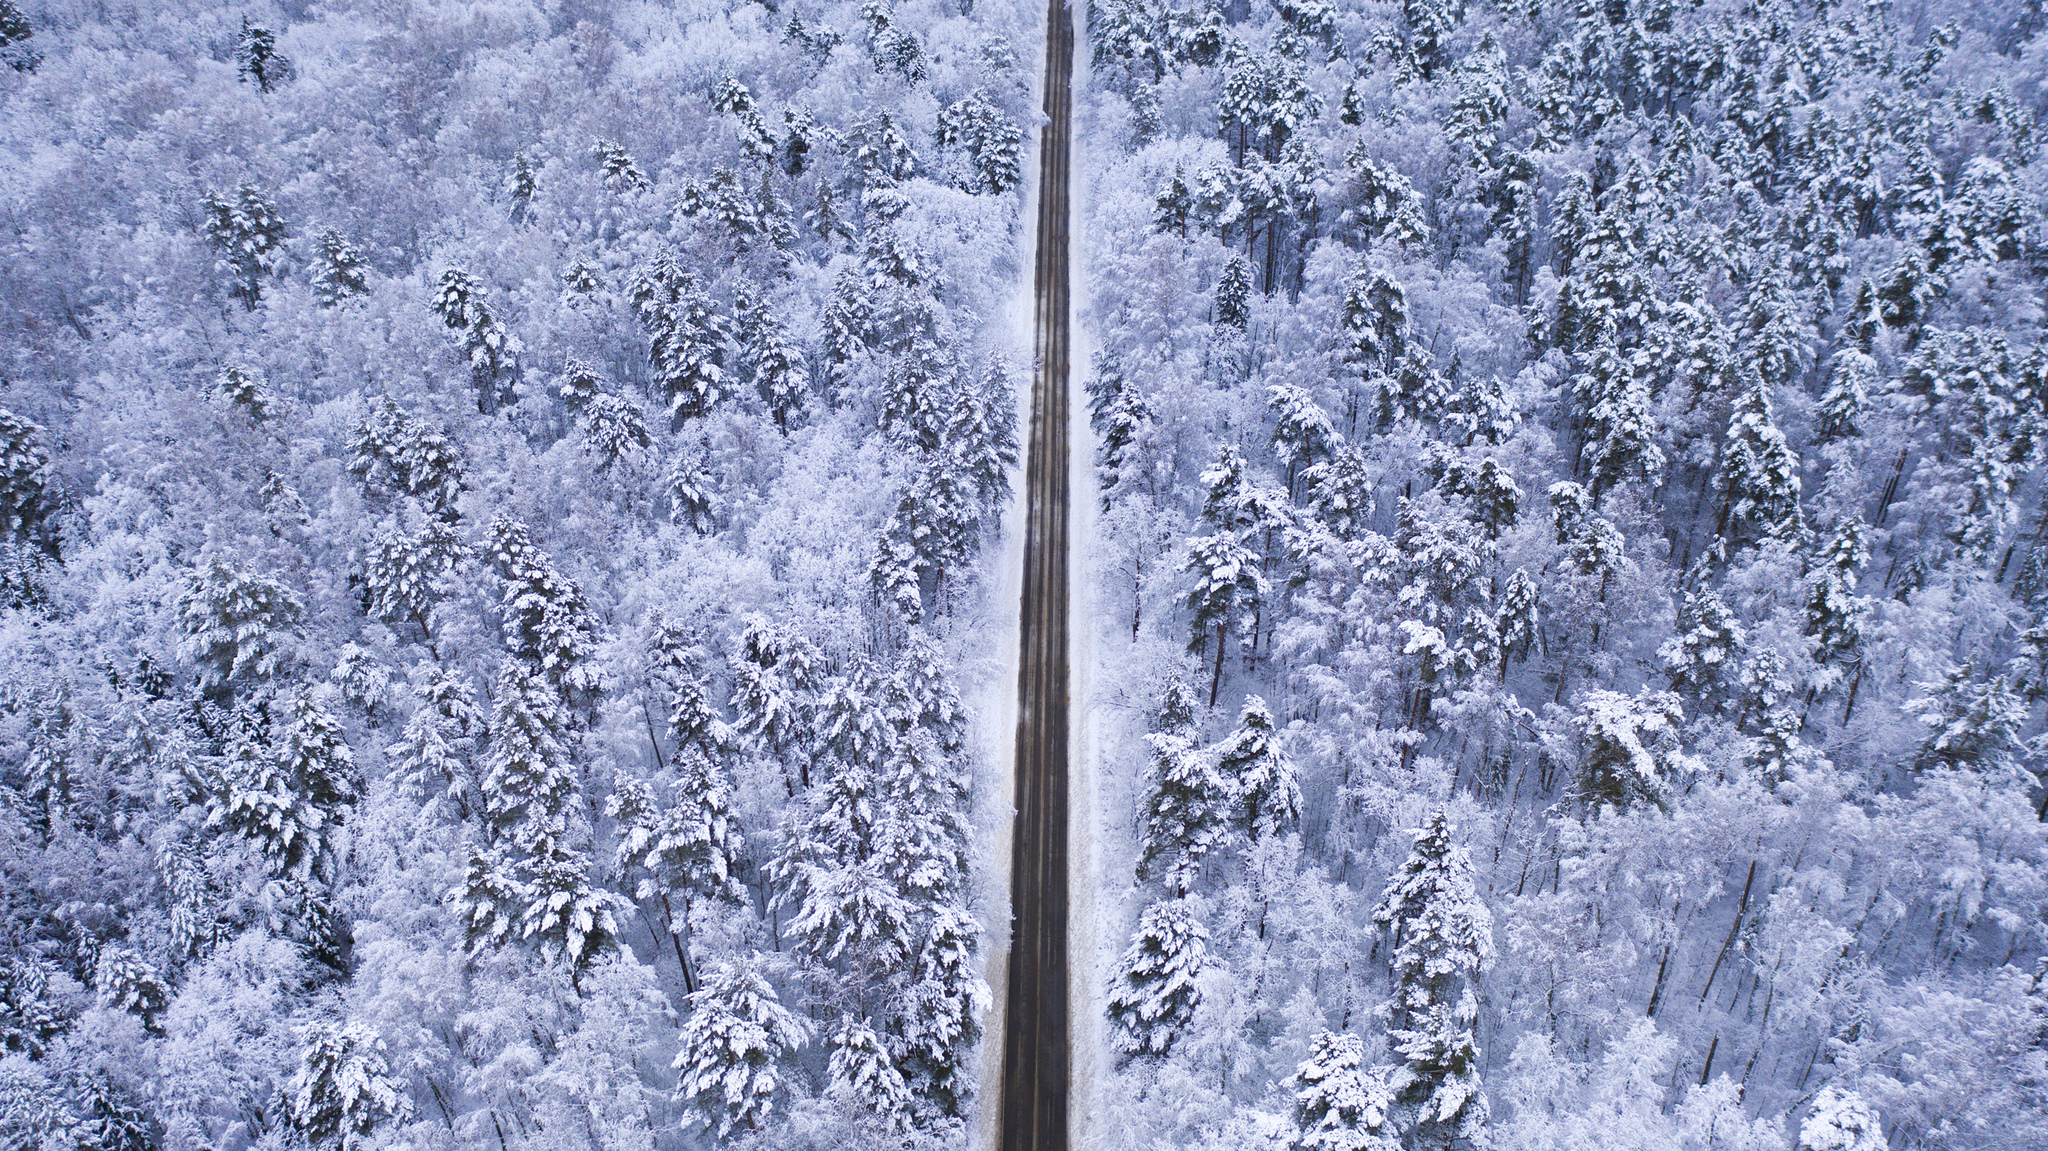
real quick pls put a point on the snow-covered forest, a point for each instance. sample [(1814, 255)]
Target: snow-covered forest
[(500, 509), (1571, 572), (497, 502)]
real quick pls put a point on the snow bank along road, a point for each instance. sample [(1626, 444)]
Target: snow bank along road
[(1035, 1056)]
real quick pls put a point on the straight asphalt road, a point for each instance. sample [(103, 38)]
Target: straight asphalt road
[(1035, 1036)]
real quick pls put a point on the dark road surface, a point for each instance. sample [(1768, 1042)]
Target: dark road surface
[(1035, 1040)]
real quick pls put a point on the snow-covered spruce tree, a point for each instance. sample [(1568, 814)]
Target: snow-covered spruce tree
[(532, 879), (530, 785), (1258, 774), (247, 233), (1302, 433), (343, 1091), (1233, 294), (433, 757), (1188, 807), (733, 1040), (243, 389), (1441, 936), (124, 981), (1154, 995), (487, 344), (673, 855), (1621, 440), (1227, 587), (940, 1016), (1374, 321), (776, 677), (1340, 1104), (686, 338), (253, 796), (614, 431)]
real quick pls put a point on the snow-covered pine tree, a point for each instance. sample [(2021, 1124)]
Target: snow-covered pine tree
[(339, 273), (982, 432), (1759, 473), (530, 785), (689, 847), (1154, 995), (1258, 774), (861, 1070), (1441, 935), (256, 58), (402, 572), (391, 453), (253, 796), (1233, 294), (1621, 437), (246, 230), (431, 760), (1227, 585), (733, 1041), (1835, 614), (1976, 725), (1517, 619), (1174, 206), (1340, 1104), (940, 1015), (1852, 376), (621, 174), (487, 344), (15, 32), (987, 138), (614, 430), (1373, 335), (1702, 653), (734, 99), (343, 1091), (1302, 433), (1188, 807), (775, 362), (546, 623), (831, 869), (685, 338), (522, 183), (685, 851), (775, 683), (124, 981), (315, 760), (24, 476), (1629, 750), (240, 629), (532, 881)]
